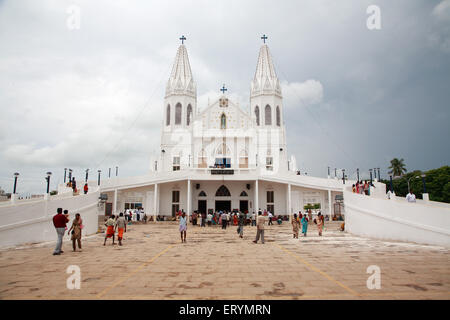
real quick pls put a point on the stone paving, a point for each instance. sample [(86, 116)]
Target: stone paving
[(217, 264)]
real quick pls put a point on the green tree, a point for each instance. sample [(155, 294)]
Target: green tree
[(397, 167), (437, 182)]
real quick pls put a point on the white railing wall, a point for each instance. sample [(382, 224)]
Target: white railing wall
[(31, 222), (396, 219)]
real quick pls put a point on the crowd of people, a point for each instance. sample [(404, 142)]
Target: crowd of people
[(241, 219), (118, 224), (361, 187), (73, 184), (136, 215)]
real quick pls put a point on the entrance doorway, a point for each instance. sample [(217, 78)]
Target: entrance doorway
[(222, 205), (201, 206), (243, 205)]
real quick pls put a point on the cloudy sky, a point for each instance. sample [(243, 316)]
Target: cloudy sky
[(92, 97)]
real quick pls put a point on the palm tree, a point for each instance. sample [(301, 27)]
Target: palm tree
[(397, 167)]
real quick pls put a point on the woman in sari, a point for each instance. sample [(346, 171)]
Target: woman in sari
[(320, 223), (304, 222), (295, 226), (77, 225), (235, 219)]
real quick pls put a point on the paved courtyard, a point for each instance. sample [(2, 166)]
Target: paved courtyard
[(217, 264)]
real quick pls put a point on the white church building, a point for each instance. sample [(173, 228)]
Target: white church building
[(221, 156)]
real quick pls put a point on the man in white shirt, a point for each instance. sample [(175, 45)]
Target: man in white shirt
[(270, 218), (411, 197)]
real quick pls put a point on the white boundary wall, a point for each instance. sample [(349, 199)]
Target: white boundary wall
[(31, 221), (377, 217)]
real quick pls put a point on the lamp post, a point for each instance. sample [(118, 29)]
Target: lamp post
[(379, 175), (49, 174), (16, 175), (117, 170), (343, 176), (87, 174), (65, 173), (375, 173), (70, 175), (335, 172), (109, 173), (390, 183), (357, 174), (417, 177), (99, 171), (370, 171), (423, 183), (328, 172)]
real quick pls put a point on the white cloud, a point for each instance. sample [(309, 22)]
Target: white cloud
[(442, 10), (299, 94)]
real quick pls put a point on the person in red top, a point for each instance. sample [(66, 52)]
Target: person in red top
[(59, 221), (86, 188)]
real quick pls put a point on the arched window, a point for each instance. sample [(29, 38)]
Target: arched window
[(168, 115), (268, 115), (243, 159), (189, 115), (202, 194), (257, 115), (244, 194), (278, 116), (223, 121), (223, 192), (178, 113), (223, 156), (202, 159)]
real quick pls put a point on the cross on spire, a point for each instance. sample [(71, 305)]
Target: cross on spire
[(264, 37), (182, 39), (223, 89)]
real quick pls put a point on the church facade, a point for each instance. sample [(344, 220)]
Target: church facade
[(221, 156)]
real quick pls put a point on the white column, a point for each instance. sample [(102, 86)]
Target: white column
[(289, 209), (115, 202), (188, 209), (329, 203), (256, 204), (155, 202)]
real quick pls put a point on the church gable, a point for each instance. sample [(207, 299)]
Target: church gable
[(224, 114)]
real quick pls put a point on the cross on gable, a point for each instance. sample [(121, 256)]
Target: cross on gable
[(264, 37), (182, 39), (223, 89)]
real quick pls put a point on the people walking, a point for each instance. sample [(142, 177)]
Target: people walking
[(260, 221), (320, 222), (411, 197), (121, 227), (183, 226), (74, 185), (75, 232), (224, 217), (295, 226), (110, 229), (85, 188), (59, 222), (241, 223), (253, 219), (270, 218), (304, 223)]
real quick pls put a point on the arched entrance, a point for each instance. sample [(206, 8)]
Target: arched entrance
[(223, 199)]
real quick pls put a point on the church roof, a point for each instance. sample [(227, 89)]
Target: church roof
[(181, 80), (265, 80)]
